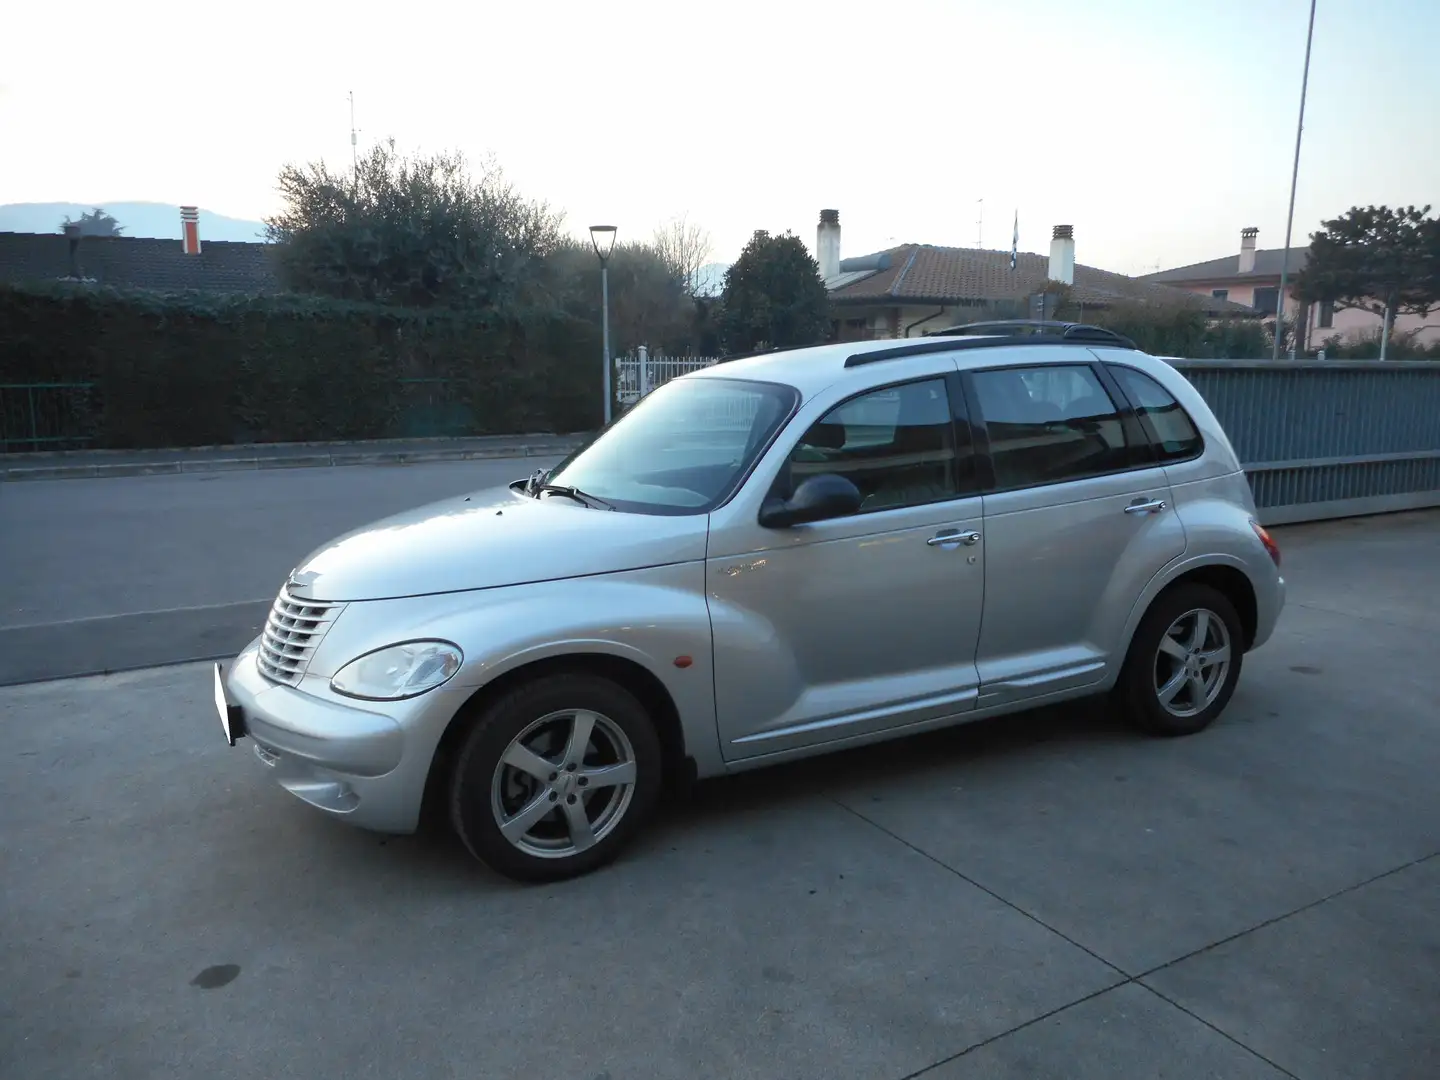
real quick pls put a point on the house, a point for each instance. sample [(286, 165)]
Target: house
[(133, 262), (1253, 277), (906, 290)]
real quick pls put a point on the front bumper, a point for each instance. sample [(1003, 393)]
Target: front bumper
[(365, 762)]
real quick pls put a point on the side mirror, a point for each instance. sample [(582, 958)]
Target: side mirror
[(818, 498)]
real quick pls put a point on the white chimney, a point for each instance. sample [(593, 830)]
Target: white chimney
[(827, 244), (1247, 249), (190, 229), (1062, 255)]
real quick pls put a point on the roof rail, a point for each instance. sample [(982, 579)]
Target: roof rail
[(994, 335), (1038, 328)]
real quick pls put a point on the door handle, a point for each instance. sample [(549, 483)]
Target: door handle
[(951, 539), (1146, 506)]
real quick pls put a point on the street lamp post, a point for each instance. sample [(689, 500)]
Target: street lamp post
[(603, 237)]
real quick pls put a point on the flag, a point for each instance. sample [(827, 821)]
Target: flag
[(1015, 242)]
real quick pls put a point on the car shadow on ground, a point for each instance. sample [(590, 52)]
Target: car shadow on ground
[(437, 856)]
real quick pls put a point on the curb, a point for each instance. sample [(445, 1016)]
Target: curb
[(333, 459)]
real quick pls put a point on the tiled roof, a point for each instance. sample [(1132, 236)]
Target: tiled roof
[(924, 274), (1267, 264), (141, 263)]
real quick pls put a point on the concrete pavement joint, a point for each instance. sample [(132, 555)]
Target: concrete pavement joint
[(989, 892), (1281, 918)]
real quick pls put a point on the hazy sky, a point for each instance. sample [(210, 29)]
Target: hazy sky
[(1158, 128)]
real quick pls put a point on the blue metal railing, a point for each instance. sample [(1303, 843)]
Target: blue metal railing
[(1323, 439)]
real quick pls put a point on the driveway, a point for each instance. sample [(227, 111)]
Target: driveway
[(1040, 896)]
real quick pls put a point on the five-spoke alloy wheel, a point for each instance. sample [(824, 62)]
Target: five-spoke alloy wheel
[(555, 777), (1184, 661)]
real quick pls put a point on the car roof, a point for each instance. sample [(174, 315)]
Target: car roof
[(812, 370)]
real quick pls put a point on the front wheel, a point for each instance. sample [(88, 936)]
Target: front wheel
[(1184, 662), (555, 778)]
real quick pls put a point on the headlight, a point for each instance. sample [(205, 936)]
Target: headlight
[(398, 671)]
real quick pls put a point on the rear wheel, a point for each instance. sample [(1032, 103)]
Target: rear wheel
[(555, 777), (1184, 661)]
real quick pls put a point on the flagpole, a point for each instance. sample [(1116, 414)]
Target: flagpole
[(1290, 219)]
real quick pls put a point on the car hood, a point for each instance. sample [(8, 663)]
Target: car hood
[(492, 539)]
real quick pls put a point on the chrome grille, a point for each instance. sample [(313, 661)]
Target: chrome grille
[(292, 632)]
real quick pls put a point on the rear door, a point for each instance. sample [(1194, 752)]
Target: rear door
[(1078, 519)]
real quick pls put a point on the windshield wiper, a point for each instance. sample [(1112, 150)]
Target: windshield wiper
[(571, 491)]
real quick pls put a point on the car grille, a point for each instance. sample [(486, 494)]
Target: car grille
[(292, 633)]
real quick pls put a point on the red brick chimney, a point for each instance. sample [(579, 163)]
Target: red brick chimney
[(190, 229)]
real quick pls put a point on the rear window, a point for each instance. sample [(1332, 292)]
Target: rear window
[(1166, 423)]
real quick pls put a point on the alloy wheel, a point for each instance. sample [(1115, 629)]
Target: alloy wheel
[(563, 784), (1192, 663)]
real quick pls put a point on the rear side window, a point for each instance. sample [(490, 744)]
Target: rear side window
[(1167, 425), (1050, 424)]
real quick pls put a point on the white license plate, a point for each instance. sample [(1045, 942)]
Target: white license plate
[(223, 706)]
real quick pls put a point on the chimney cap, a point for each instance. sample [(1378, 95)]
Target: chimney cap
[(72, 230), (1249, 231), (1063, 232), (829, 217), (189, 213)]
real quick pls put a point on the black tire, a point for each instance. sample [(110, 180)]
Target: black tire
[(1136, 690), (473, 779)]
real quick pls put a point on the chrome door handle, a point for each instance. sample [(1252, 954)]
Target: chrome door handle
[(949, 539), (1150, 506)]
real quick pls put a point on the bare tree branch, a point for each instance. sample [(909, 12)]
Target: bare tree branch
[(684, 248)]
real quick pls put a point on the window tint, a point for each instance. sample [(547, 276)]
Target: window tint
[(1166, 424), (1048, 424), (897, 445)]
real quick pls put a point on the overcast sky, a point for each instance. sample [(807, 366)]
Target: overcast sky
[(1158, 128)]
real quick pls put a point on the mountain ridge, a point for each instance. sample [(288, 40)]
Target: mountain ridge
[(156, 220)]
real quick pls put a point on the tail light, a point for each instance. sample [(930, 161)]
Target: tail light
[(1269, 541)]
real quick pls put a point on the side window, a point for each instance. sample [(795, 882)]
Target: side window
[(1048, 424), (1166, 423), (897, 445)]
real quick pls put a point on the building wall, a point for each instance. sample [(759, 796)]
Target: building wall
[(1348, 323)]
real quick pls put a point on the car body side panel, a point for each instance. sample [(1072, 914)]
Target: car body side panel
[(1063, 566)]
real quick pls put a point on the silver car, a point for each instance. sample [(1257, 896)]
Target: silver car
[(772, 558)]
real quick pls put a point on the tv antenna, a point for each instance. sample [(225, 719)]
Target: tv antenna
[(354, 141)]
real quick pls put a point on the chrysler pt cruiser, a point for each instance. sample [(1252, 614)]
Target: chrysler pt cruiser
[(776, 557)]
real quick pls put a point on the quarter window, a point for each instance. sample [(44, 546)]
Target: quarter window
[(897, 445), (1168, 427), (1050, 424)]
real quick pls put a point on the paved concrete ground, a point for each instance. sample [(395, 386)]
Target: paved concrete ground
[(112, 574), (1040, 896)]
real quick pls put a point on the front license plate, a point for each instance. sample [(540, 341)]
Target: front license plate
[(232, 718)]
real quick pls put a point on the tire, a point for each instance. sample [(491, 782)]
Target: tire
[(1163, 660), (567, 811)]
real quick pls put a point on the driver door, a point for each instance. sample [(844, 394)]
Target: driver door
[(843, 628)]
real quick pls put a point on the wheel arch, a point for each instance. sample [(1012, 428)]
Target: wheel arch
[(625, 672), (1226, 576)]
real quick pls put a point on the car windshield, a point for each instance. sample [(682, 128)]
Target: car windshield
[(683, 449)]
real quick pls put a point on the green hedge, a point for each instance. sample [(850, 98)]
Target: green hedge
[(201, 369)]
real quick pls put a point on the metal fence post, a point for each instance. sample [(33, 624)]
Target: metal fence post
[(644, 361)]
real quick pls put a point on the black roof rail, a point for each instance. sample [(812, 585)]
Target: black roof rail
[(1039, 328), (993, 336)]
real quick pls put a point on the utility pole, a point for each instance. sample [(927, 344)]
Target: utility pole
[(1290, 219)]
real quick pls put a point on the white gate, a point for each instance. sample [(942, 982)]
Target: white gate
[(636, 376)]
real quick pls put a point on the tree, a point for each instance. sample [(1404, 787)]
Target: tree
[(1375, 259), (95, 223), (683, 248), (773, 297), (413, 232), (649, 304)]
